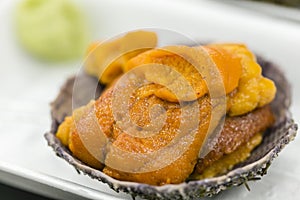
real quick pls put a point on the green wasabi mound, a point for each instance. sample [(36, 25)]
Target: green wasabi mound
[(52, 29)]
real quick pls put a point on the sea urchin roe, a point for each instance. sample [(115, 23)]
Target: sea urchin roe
[(253, 90), (106, 60), (228, 64), (237, 66), (228, 161), (244, 85), (182, 62), (63, 131), (237, 131), (78, 139)]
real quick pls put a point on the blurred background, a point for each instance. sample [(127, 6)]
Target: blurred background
[(43, 42)]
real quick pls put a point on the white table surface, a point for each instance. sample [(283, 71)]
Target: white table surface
[(28, 85)]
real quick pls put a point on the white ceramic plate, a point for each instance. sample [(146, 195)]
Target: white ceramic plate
[(28, 85)]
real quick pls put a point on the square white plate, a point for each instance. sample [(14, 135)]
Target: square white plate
[(28, 85)]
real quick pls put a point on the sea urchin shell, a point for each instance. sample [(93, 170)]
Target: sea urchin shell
[(274, 140)]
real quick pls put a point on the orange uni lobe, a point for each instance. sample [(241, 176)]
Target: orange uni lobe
[(229, 66)]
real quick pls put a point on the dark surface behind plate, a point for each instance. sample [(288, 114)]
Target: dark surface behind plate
[(11, 193), (252, 169)]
